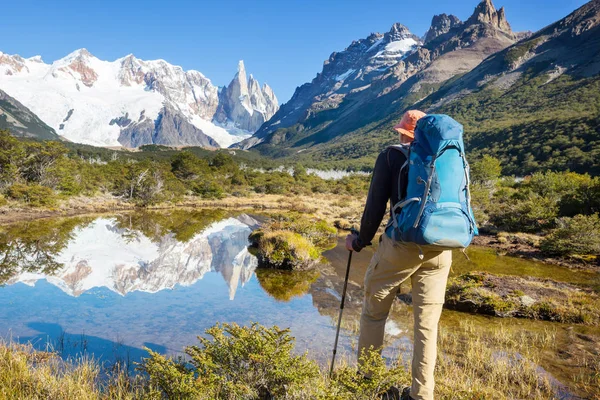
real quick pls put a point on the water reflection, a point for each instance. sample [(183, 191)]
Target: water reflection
[(112, 285), (137, 252), (109, 286)]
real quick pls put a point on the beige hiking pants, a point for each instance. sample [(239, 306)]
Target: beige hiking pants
[(392, 264)]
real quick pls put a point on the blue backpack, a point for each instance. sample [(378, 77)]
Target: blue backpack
[(437, 207)]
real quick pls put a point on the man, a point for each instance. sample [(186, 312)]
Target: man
[(395, 262)]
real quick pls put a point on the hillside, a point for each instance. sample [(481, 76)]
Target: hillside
[(17, 118), (534, 104), (356, 89)]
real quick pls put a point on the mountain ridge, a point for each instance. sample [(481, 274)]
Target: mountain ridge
[(17, 118), (319, 115), (456, 62), (79, 95)]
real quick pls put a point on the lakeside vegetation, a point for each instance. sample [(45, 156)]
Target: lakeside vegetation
[(523, 297), (292, 241), (554, 212), (559, 210), (256, 362)]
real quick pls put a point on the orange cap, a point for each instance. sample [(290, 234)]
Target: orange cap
[(408, 123)]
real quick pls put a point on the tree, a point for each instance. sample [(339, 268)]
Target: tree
[(486, 169), (12, 154)]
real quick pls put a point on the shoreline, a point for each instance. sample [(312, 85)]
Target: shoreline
[(329, 207)]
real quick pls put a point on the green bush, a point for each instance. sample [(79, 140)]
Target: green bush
[(234, 363), (283, 250), (209, 190), (486, 169), (532, 213), (2, 200), (317, 231), (34, 195), (579, 235)]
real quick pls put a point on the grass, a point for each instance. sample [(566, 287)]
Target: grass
[(281, 249), (247, 362), (29, 374)]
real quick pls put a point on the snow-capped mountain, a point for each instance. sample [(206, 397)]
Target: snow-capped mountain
[(102, 254), (347, 72), (379, 76), (131, 102)]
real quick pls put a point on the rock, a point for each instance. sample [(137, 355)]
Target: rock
[(169, 129), (527, 301), (244, 103), (486, 13), (440, 25)]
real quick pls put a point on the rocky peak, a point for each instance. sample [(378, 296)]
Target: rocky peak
[(77, 65), (240, 81), (245, 103), (440, 25), (37, 59), (398, 32), (131, 71), (79, 54), (10, 65), (486, 13), (502, 22)]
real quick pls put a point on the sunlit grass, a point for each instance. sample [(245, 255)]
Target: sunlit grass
[(473, 363)]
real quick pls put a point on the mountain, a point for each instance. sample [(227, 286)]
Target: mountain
[(17, 118), (131, 102), (535, 105), (377, 75), (102, 254)]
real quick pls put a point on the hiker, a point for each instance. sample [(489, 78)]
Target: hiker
[(396, 261)]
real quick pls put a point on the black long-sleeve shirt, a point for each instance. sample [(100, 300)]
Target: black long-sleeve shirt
[(384, 186)]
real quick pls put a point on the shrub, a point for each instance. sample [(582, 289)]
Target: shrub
[(283, 249), (578, 235), (317, 231), (33, 195), (530, 214), (234, 363), (209, 190), (487, 169)]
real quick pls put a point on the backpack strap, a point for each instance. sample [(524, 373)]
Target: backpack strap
[(405, 150)]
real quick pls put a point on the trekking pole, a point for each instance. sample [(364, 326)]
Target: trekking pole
[(337, 333)]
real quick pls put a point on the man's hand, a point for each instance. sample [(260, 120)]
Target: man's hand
[(349, 239)]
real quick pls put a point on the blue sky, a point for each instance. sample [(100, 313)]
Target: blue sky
[(283, 42)]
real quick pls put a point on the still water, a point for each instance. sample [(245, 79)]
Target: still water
[(111, 286)]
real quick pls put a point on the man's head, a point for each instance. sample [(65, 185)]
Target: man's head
[(406, 127)]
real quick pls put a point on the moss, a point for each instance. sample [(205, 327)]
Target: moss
[(283, 250), (502, 296), (292, 241)]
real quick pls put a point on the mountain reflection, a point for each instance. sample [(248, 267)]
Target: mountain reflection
[(146, 252)]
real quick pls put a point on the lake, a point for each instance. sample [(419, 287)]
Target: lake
[(112, 285)]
